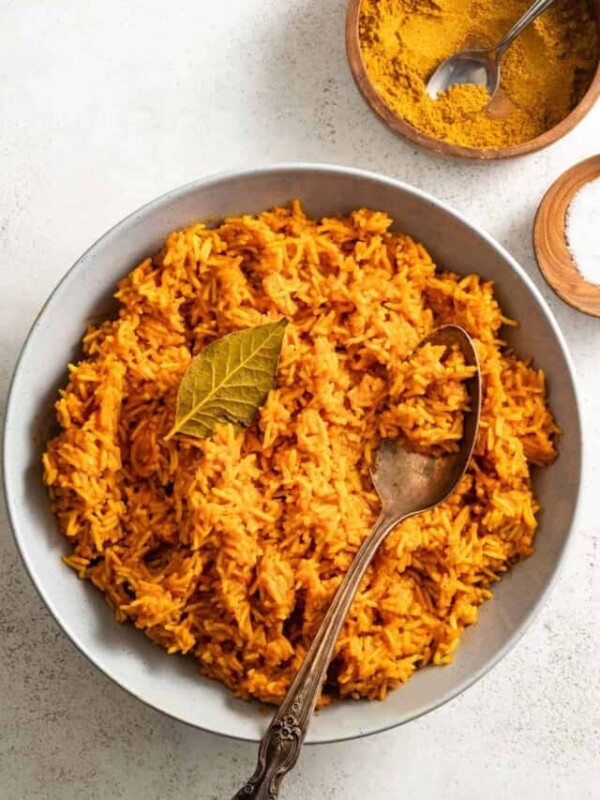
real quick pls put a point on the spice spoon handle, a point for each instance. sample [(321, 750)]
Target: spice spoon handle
[(528, 17)]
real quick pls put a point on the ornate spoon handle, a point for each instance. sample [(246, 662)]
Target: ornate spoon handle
[(280, 746)]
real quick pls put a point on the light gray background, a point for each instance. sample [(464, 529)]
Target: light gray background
[(104, 105)]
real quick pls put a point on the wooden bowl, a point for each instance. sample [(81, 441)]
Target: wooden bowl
[(403, 128), (550, 240)]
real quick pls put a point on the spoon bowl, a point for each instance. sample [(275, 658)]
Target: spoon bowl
[(407, 483), (479, 67), (410, 482)]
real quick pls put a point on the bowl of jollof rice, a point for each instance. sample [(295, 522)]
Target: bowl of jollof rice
[(225, 551)]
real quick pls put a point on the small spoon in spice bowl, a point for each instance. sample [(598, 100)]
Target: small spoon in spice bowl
[(478, 66), (407, 483)]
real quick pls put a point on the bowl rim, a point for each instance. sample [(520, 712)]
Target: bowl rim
[(443, 148), (278, 169)]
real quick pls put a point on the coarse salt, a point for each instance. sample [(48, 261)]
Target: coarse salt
[(583, 231)]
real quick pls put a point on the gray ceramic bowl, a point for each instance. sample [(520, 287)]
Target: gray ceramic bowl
[(172, 684)]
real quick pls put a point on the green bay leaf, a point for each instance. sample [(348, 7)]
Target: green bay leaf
[(229, 380)]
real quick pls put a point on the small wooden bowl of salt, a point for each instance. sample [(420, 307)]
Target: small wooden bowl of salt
[(566, 236)]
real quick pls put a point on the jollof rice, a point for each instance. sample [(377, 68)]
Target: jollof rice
[(231, 548)]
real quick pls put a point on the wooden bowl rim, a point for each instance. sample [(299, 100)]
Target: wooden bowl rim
[(553, 255), (438, 146)]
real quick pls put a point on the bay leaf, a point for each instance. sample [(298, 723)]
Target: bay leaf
[(229, 380)]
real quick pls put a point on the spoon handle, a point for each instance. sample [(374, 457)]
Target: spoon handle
[(528, 17), (280, 746)]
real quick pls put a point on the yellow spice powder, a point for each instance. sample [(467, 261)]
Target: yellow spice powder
[(544, 73)]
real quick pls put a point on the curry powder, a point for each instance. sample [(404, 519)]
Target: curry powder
[(545, 72)]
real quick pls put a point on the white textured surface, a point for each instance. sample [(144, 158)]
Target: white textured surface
[(104, 105)]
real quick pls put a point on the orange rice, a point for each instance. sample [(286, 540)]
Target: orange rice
[(230, 548)]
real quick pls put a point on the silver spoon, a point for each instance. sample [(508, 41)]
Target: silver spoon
[(479, 66), (407, 483)]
